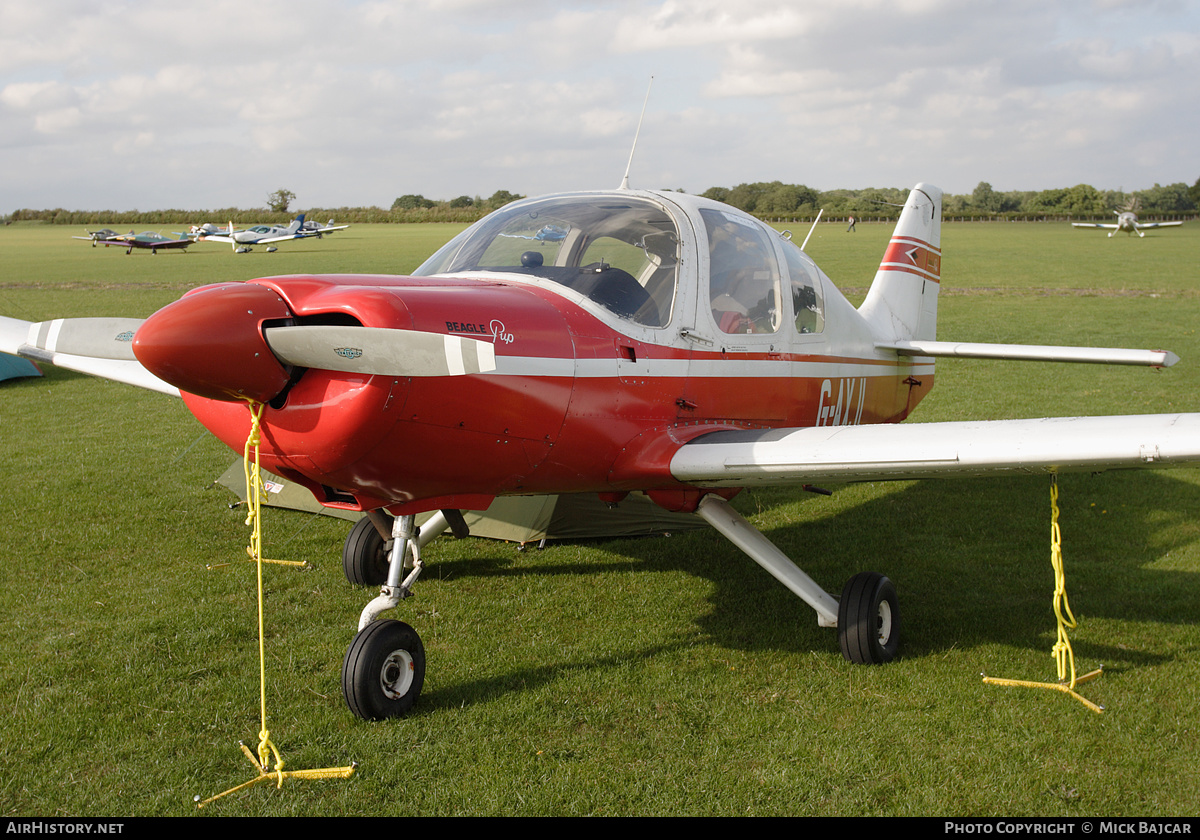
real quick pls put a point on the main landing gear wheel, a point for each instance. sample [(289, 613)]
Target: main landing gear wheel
[(384, 670), (869, 620), (364, 555)]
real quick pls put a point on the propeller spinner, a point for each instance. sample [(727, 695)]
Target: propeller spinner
[(210, 343)]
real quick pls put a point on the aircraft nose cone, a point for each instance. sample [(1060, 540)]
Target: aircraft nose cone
[(210, 343)]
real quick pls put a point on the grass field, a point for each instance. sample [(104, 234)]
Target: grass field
[(665, 676)]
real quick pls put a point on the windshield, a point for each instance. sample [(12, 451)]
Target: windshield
[(619, 251)]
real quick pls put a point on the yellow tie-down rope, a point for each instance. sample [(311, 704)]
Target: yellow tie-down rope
[(1062, 653), (266, 749)]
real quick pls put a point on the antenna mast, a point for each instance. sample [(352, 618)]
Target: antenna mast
[(628, 166), (811, 229)]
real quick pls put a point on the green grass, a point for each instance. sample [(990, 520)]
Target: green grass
[(635, 677)]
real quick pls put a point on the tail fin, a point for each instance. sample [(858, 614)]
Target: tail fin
[(296, 224), (902, 302)]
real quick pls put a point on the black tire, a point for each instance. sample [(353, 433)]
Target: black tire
[(869, 620), (364, 555), (384, 670)]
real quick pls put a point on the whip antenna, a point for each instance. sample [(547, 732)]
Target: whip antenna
[(811, 229), (628, 166)]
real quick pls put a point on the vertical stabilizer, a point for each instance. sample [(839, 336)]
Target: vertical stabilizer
[(902, 302)]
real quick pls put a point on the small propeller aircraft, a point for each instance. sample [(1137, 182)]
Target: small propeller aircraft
[(244, 240), (147, 239), (656, 341), (95, 236), (1128, 222), (321, 229)]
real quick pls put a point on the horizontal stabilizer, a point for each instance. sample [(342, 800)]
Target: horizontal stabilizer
[(1032, 353)]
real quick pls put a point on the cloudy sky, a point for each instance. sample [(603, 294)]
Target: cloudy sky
[(115, 105)]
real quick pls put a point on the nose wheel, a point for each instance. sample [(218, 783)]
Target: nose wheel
[(384, 670)]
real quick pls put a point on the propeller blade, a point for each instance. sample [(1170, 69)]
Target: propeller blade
[(97, 338), (385, 352)]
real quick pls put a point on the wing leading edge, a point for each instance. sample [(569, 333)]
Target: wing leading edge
[(938, 450)]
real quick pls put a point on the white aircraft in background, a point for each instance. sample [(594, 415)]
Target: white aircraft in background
[(244, 240), (321, 229), (1128, 222)]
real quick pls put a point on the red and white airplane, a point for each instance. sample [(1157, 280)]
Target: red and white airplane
[(658, 342)]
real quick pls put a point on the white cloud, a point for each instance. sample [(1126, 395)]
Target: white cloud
[(358, 102)]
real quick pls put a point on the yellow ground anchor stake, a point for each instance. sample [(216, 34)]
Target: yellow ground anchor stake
[(1063, 655), (266, 749)]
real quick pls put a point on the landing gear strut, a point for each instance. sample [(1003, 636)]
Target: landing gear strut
[(867, 618), (384, 668)]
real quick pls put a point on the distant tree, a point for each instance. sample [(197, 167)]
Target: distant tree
[(748, 196), (1048, 201), (1079, 200), (412, 202), (1173, 198), (1194, 192), (786, 199), (501, 197), (1084, 199), (716, 194), (279, 200), (462, 201), (985, 199)]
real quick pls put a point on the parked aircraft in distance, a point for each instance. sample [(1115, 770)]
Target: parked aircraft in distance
[(321, 229), (244, 240), (96, 235), (1128, 222), (146, 239)]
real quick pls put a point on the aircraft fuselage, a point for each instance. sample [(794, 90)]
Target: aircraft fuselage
[(574, 405)]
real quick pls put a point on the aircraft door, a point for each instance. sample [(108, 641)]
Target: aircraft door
[(740, 360)]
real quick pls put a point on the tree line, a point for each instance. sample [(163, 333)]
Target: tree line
[(776, 200), (406, 208), (773, 201)]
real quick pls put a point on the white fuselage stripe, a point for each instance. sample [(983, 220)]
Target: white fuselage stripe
[(704, 368)]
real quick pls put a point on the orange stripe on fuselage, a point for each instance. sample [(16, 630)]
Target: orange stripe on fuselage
[(913, 257)]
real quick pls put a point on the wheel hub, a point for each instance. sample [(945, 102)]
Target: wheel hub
[(884, 622), (396, 675)]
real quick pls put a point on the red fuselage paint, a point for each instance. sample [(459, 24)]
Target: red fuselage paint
[(573, 405)]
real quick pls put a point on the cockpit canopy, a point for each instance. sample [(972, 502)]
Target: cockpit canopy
[(621, 252)]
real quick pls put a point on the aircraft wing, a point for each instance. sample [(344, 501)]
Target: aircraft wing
[(740, 458), (1149, 225), (95, 346), (285, 237), (1093, 225)]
